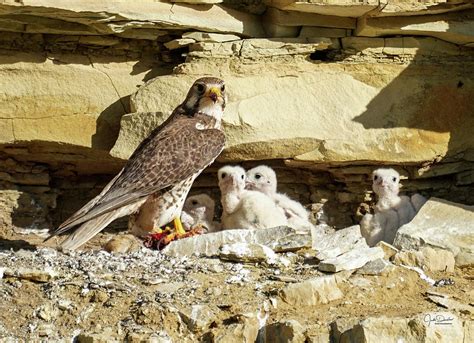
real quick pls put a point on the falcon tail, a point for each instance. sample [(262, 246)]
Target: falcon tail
[(92, 227)]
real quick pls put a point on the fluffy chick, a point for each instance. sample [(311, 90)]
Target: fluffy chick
[(263, 179), (391, 211), (244, 208), (198, 210)]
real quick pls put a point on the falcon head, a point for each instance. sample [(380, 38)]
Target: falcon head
[(200, 206), (231, 178), (208, 96), (262, 179), (385, 181)]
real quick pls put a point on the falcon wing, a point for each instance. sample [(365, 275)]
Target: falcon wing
[(169, 155)]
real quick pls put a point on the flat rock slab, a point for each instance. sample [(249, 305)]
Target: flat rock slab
[(376, 267), (36, 275), (248, 252), (341, 241), (443, 224), (210, 244), (424, 327), (320, 290), (427, 258), (353, 259)]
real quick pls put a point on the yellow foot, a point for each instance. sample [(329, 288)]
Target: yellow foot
[(178, 226)]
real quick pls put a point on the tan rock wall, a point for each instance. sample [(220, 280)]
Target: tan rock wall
[(321, 90)]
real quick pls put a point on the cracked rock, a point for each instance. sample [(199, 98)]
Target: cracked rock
[(248, 252), (428, 259), (198, 317)]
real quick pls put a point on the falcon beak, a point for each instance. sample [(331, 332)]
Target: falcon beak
[(214, 93), (249, 184)]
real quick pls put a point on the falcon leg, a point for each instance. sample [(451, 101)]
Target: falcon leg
[(179, 226)]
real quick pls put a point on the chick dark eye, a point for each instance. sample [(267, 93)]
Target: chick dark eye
[(375, 177), (200, 87), (258, 176), (194, 202), (242, 176), (224, 175), (223, 88), (394, 179)]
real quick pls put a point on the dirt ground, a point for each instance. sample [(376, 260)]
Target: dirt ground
[(125, 296)]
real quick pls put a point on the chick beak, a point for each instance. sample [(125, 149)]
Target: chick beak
[(249, 184), (214, 93)]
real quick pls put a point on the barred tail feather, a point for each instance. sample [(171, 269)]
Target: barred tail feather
[(92, 227)]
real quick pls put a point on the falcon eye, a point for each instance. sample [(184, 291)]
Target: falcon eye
[(258, 176), (375, 177), (194, 202), (394, 179), (223, 175), (242, 176), (200, 87), (223, 88)]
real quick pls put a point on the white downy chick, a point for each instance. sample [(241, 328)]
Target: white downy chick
[(244, 208), (391, 210), (199, 210), (263, 179)]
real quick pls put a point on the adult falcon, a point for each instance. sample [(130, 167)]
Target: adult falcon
[(162, 168)]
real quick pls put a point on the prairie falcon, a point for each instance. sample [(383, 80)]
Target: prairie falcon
[(160, 172)]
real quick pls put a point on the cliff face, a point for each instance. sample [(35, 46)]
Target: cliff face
[(321, 90)]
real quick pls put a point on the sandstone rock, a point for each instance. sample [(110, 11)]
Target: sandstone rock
[(423, 7), (353, 259), (293, 242), (245, 252), (44, 105), (198, 317), (99, 40), (341, 328), (400, 46), (290, 331), (442, 224), (97, 337), (468, 330), (152, 337), (246, 331), (278, 31), (37, 275), (179, 43), (426, 327), (320, 290), (317, 333), (198, 2), (453, 27), (388, 249), (315, 31), (338, 243), (292, 18), (109, 17), (46, 312), (342, 8), (341, 99), (210, 37), (451, 304), (375, 267), (209, 244), (122, 244), (260, 47), (427, 258)]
